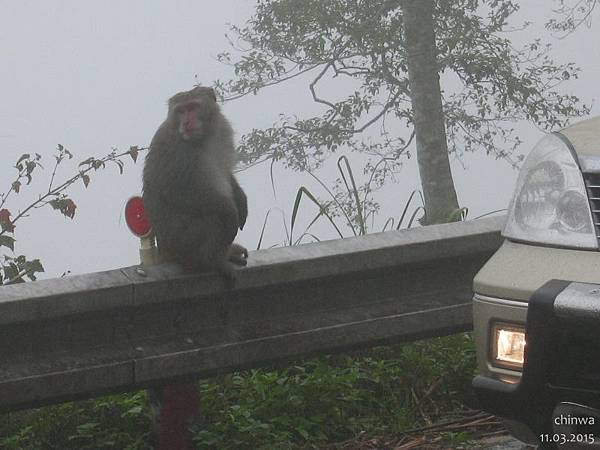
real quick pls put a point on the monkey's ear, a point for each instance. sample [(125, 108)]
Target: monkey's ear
[(212, 94)]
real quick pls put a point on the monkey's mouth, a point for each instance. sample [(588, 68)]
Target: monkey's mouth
[(191, 136), (191, 133)]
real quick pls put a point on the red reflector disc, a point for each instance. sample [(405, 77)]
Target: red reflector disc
[(136, 217)]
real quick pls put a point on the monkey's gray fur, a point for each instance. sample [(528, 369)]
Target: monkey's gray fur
[(192, 199)]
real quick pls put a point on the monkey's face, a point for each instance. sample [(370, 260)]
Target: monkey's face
[(192, 118)]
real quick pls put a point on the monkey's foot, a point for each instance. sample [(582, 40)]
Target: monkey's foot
[(227, 270), (238, 254)]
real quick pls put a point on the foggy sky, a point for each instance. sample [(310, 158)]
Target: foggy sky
[(96, 75)]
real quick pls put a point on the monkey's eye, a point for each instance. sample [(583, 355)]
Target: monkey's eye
[(187, 108)]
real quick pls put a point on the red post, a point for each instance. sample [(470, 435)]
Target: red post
[(176, 406)]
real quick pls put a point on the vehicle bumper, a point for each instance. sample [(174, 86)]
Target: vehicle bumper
[(561, 372)]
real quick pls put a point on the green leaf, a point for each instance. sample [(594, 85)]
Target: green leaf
[(87, 161), (458, 214), (98, 164), (133, 152), (133, 411), (23, 157), (7, 241), (11, 271), (87, 427), (65, 205), (34, 266)]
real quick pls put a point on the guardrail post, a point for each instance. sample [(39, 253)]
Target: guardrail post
[(173, 405)]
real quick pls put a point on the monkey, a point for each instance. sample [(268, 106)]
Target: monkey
[(193, 201)]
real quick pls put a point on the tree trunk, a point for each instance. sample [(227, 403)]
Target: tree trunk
[(430, 132)]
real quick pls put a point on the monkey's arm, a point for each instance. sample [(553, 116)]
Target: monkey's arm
[(241, 202)]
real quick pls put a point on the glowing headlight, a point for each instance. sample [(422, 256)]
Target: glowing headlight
[(508, 346), (550, 204)]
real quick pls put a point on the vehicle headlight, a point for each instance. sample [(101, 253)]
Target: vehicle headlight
[(550, 205), (508, 345)]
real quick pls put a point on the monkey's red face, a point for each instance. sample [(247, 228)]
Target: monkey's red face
[(191, 119)]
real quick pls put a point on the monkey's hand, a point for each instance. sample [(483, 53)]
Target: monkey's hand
[(238, 254)]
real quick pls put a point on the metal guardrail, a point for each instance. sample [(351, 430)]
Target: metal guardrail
[(91, 334)]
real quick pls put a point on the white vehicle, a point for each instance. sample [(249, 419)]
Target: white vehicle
[(537, 300)]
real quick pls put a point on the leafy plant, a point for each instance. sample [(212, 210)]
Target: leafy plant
[(119, 421), (15, 269), (320, 401), (571, 14)]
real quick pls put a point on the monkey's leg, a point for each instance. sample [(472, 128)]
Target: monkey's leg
[(238, 254), (201, 242), (241, 201), (209, 252), (209, 256)]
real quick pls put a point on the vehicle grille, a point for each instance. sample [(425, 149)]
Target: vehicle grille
[(592, 184)]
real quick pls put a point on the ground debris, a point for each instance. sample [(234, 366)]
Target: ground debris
[(474, 430)]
